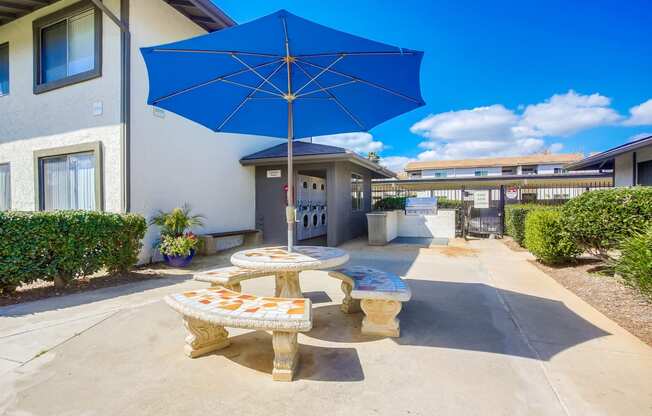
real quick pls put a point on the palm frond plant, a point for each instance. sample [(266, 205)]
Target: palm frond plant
[(177, 243)]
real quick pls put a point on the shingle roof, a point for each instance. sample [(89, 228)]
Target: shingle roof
[(299, 148), (545, 158)]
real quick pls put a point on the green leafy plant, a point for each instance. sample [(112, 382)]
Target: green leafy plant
[(390, 203), (515, 216), (62, 245), (600, 220), (635, 262), (546, 238), (177, 221), (181, 245)]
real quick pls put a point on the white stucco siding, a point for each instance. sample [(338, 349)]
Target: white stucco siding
[(174, 160), (548, 169), (62, 117), (624, 172)]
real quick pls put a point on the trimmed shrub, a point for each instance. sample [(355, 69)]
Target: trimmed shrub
[(599, 220), (390, 203), (635, 262), (63, 245), (515, 220), (546, 238)]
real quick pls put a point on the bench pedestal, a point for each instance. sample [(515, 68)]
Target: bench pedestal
[(349, 305), (203, 337), (286, 355), (380, 317)]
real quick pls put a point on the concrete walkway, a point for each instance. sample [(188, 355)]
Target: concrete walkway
[(486, 333)]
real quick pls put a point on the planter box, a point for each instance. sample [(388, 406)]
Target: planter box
[(212, 243)]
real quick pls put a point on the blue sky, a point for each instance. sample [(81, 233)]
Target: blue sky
[(501, 77)]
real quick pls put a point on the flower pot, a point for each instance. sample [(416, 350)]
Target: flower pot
[(179, 261)]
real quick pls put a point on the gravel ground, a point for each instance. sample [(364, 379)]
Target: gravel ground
[(608, 294)]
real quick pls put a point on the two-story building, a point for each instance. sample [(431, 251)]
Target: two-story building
[(539, 164), (76, 132)]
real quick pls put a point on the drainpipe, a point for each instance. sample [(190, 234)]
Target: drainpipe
[(125, 95)]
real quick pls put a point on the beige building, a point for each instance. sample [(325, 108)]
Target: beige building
[(75, 129), (539, 164)]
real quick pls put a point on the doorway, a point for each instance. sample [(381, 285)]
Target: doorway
[(312, 207)]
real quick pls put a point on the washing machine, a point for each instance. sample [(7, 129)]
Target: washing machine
[(311, 206)]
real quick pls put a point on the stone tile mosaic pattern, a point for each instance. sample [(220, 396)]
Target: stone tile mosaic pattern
[(227, 274), (368, 279), (226, 302)]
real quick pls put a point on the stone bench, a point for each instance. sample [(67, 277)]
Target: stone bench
[(378, 293), (206, 312), (229, 277), (214, 242)]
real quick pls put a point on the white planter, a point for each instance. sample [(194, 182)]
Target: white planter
[(382, 227)]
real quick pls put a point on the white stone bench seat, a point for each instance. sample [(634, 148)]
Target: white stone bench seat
[(378, 293), (207, 311), (229, 277)]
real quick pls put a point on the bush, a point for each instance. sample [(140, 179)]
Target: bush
[(599, 220), (62, 245), (515, 220), (546, 238), (390, 203), (635, 262)]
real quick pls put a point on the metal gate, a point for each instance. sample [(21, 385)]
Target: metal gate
[(483, 211)]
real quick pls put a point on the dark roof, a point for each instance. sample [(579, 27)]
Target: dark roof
[(304, 152), (298, 149), (203, 12), (605, 160)]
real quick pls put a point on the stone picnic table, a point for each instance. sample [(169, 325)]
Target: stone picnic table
[(286, 266)]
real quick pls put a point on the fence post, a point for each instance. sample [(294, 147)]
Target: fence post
[(501, 210)]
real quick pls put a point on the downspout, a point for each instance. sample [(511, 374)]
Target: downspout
[(125, 95)]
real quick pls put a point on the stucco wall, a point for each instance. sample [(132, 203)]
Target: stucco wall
[(61, 117), (173, 160), (623, 166)]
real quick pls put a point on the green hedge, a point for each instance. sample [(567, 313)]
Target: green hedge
[(635, 262), (398, 202), (600, 220), (546, 238), (62, 245), (515, 220)]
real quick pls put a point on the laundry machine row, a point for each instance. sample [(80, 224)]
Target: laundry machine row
[(312, 211)]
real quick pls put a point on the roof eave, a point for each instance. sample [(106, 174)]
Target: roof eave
[(604, 157)]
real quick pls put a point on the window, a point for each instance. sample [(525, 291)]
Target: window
[(558, 170), (4, 69), (481, 173), (441, 174), (525, 170), (357, 193), (67, 47), (5, 187), (69, 177)]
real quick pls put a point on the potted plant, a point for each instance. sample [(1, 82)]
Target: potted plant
[(177, 244)]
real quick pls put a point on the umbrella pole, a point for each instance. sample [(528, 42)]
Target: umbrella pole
[(290, 214)]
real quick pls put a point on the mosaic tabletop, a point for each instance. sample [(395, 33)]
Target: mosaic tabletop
[(228, 274), (279, 259), (240, 310), (373, 283)]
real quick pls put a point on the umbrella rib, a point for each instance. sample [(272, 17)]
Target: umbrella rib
[(254, 89), (265, 55), (322, 72), (364, 81), (334, 98), (257, 73), (242, 103), (211, 81), (353, 81), (317, 55)]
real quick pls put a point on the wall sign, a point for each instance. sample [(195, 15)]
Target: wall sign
[(511, 192), (275, 173), (481, 199)]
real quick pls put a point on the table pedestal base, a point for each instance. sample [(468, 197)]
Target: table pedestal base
[(287, 285)]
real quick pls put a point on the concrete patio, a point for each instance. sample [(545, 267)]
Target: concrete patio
[(486, 333)]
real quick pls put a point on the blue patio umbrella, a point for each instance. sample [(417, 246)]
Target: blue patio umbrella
[(284, 76)]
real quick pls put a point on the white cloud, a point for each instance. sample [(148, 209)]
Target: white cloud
[(640, 114), (566, 114), (395, 163), (358, 142), (498, 131), (639, 136)]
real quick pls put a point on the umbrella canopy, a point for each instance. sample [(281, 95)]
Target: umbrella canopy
[(283, 76)]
